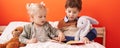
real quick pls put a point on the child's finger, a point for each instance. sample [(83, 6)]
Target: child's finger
[(63, 38), (60, 39), (86, 41)]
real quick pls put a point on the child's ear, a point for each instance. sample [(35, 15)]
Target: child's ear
[(32, 16), (28, 6), (65, 11)]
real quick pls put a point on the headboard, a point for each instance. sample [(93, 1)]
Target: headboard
[(101, 34), (1, 29)]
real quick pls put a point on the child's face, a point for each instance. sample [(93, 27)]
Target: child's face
[(40, 17), (72, 13)]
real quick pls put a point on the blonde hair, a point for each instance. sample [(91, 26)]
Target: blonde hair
[(33, 8)]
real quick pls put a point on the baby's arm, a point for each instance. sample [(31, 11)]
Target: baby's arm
[(61, 36), (25, 35), (32, 40), (58, 35)]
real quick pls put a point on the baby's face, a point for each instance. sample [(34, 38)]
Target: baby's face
[(40, 17), (72, 13)]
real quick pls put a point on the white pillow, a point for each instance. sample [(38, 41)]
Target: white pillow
[(54, 24), (6, 35)]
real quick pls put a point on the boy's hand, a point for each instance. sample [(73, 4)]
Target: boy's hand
[(85, 40), (33, 40)]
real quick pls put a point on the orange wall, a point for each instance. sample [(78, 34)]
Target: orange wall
[(107, 12)]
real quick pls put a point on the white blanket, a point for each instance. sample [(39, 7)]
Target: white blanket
[(6, 35), (58, 45)]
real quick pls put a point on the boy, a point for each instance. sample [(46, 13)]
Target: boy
[(68, 24)]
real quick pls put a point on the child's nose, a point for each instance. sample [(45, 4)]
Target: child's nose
[(71, 14), (43, 18)]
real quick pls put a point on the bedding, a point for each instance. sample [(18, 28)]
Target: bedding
[(59, 45), (54, 24), (6, 36)]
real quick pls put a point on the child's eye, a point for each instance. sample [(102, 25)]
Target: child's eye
[(40, 16), (44, 16), (74, 12), (69, 11)]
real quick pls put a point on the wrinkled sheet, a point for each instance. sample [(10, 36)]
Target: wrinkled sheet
[(59, 45)]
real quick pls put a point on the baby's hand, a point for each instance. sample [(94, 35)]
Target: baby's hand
[(61, 37), (33, 40), (54, 41), (58, 40)]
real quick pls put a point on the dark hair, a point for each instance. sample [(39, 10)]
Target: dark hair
[(74, 3)]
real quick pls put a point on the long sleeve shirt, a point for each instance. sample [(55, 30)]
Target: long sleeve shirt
[(45, 33), (69, 29)]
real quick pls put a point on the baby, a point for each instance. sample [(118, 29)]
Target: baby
[(39, 30)]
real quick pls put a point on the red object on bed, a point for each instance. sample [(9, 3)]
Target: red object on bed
[(99, 40)]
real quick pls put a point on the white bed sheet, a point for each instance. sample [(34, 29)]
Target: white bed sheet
[(58, 45), (6, 35)]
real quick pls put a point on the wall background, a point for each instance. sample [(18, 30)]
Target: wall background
[(107, 12)]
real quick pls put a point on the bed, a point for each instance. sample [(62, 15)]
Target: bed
[(5, 35)]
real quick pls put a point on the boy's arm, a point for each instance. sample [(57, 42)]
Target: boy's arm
[(92, 34)]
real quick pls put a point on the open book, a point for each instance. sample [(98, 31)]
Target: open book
[(75, 43)]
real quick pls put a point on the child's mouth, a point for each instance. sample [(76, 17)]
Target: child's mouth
[(71, 17), (42, 21)]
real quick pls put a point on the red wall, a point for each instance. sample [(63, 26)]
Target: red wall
[(107, 12)]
